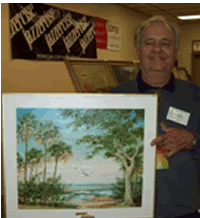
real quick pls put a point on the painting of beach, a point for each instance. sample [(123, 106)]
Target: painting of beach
[(79, 158)]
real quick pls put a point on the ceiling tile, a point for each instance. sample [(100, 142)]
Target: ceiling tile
[(168, 10)]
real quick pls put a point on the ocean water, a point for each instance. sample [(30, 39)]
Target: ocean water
[(84, 192)]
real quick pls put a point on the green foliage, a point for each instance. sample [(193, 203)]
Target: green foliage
[(60, 150), (119, 129), (46, 130), (138, 160), (34, 154), (27, 119), (120, 136), (57, 204), (41, 193), (119, 188), (103, 118), (25, 126), (20, 161)]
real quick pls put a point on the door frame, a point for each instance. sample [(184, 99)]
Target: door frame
[(193, 72)]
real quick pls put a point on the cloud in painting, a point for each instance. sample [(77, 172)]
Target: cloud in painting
[(100, 170)]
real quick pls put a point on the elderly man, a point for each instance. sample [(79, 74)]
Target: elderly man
[(177, 192)]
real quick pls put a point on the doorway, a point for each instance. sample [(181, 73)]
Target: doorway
[(196, 67)]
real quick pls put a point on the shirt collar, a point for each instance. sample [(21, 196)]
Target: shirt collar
[(142, 86)]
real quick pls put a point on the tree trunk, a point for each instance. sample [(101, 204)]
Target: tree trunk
[(36, 173), (128, 191), (25, 165), (18, 172), (31, 173), (45, 163), (55, 169)]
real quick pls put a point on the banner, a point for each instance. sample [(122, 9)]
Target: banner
[(101, 33), (108, 34), (114, 36), (40, 31)]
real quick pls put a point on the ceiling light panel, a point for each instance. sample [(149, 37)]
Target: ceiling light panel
[(189, 17)]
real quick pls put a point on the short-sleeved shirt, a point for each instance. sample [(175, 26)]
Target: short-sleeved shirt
[(177, 188)]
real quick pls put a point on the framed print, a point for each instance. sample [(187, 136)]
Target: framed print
[(123, 70), (90, 75), (196, 45), (79, 155)]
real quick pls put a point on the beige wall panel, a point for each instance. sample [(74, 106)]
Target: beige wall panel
[(35, 76)]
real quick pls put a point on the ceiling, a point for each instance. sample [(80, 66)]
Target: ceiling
[(168, 10)]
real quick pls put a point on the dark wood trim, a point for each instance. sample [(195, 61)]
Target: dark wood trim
[(120, 63), (3, 185), (72, 75), (83, 60), (193, 73)]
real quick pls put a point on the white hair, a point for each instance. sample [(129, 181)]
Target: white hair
[(175, 28)]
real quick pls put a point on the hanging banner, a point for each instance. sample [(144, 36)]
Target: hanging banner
[(114, 36), (40, 31), (108, 34), (101, 33)]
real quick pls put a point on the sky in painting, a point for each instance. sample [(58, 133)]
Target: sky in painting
[(77, 169)]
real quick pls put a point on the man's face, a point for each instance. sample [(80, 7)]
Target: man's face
[(157, 51)]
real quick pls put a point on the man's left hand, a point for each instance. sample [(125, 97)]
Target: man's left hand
[(174, 140)]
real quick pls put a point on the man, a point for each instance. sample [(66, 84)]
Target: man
[(177, 193)]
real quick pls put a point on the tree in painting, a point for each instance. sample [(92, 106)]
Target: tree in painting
[(34, 157), (32, 132), (25, 128), (59, 151), (45, 133), (120, 136)]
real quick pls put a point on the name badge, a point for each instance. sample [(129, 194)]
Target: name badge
[(178, 116)]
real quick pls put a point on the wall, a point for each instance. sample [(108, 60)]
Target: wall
[(188, 33), (51, 76)]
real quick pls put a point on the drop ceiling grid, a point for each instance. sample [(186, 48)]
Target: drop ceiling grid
[(170, 11)]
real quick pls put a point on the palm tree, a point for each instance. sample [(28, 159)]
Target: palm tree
[(25, 128), (34, 156), (59, 151), (45, 134)]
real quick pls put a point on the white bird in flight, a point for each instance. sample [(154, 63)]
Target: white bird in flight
[(84, 170)]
